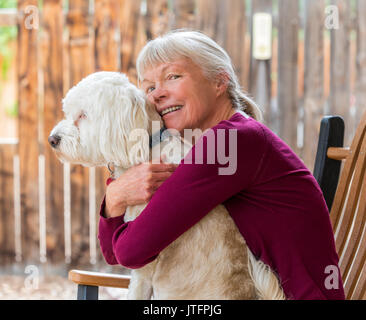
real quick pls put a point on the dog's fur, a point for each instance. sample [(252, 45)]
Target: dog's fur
[(211, 259)]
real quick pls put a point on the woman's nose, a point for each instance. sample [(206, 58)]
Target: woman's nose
[(159, 94)]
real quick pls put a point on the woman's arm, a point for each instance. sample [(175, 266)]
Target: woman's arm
[(133, 187), (183, 199)]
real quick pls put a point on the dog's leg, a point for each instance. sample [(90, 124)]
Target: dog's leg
[(140, 287)]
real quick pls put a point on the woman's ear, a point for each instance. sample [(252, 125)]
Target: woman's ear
[(222, 82)]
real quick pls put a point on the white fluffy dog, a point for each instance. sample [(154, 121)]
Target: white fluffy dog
[(102, 113)]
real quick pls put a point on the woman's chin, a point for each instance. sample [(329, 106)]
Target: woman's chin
[(172, 121)]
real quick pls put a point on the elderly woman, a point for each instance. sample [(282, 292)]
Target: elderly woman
[(271, 196)]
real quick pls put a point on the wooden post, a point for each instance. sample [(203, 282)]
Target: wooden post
[(132, 36), (106, 51), (287, 71), (183, 14), (106, 27), (157, 18), (7, 252), (339, 98), (225, 22), (80, 64), (28, 150), (260, 70), (360, 62), (235, 35), (52, 67), (313, 83)]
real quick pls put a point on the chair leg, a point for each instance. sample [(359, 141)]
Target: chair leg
[(87, 292)]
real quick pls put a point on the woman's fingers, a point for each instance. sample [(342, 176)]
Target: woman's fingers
[(137, 184), (160, 176), (158, 184), (163, 167)]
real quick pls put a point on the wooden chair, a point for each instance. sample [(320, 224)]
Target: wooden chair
[(346, 201), (348, 213), (89, 282)]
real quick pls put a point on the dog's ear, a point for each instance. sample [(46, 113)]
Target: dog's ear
[(126, 111)]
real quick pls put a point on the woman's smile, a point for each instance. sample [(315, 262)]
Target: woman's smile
[(183, 96), (170, 110)]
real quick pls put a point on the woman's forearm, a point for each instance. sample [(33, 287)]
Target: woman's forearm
[(107, 227)]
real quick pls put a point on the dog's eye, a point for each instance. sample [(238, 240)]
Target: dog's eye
[(81, 116)]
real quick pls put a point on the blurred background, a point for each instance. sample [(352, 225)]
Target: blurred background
[(299, 59)]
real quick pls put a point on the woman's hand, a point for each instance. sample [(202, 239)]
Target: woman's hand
[(135, 186)]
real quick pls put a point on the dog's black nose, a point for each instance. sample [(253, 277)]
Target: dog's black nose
[(54, 141)]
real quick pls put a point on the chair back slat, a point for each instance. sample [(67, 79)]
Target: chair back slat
[(346, 176), (351, 216), (348, 216), (353, 255)]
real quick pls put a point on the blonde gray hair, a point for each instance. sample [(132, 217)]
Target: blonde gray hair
[(205, 53)]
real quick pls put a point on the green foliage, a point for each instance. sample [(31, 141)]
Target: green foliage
[(12, 110), (8, 4), (7, 34)]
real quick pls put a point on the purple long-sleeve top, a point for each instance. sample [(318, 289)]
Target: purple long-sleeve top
[(272, 197)]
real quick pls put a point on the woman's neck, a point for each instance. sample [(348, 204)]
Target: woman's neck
[(223, 112)]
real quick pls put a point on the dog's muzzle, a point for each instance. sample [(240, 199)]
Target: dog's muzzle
[(54, 141)]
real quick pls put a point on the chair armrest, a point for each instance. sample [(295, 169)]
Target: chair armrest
[(338, 153), (98, 279)]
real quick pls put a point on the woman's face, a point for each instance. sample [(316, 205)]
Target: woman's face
[(183, 96)]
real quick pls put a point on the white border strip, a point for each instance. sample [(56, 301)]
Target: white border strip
[(8, 140), (92, 217), (17, 211), (67, 212), (42, 209)]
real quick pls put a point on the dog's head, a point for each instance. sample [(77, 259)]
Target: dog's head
[(101, 112)]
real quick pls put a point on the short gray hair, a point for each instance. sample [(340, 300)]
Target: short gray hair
[(205, 53)]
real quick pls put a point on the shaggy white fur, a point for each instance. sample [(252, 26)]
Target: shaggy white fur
[(106, 121)]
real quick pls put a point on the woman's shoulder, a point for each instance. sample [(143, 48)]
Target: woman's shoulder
[(245, 126)]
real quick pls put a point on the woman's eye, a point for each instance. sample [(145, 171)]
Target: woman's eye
[(149, 89), (173, 76)]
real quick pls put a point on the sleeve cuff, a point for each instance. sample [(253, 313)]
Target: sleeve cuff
[(112, 222), (107, 227)]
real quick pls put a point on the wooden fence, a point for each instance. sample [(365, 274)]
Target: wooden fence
[(316, 66)]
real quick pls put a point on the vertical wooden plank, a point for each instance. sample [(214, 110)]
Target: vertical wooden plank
[(28, 129), (183, 14), (157, 18), (133, 37), (236, 40), (106, 52), (207, 11), (52, 68), (7, 252), (80, 48), (106, 40), (225, 22), (360, 61), (339, 98), (313, 82), (80, 65), (260, 70), (287, 71)]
